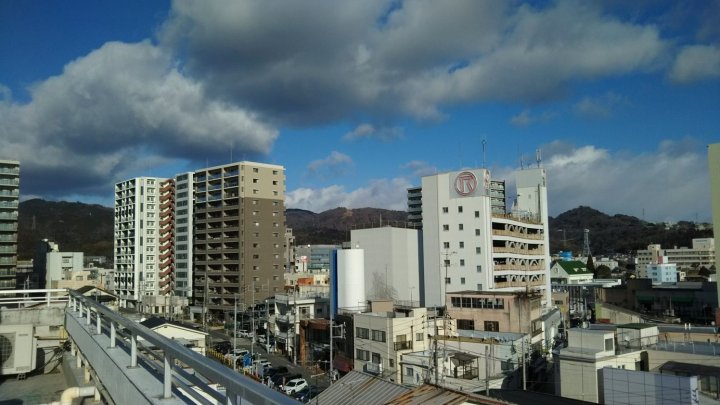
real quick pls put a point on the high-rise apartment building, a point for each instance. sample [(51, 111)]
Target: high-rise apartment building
[(184, 212), (239, 235), (471, 241), (9, 196), (137, 239), (166, 237)]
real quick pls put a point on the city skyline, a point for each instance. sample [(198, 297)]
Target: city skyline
[(359, 100)]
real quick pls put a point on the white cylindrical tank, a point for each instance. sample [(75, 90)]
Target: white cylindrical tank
[(350, 278)]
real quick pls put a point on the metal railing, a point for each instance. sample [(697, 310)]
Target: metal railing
[(195, 384), (24, 298)]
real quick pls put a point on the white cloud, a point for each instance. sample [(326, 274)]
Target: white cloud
[(370, 131), (668, 184), (419, 168), (696, 62), (382, 193), (414, 60), (601, 106), (120, 107), (526, 118), (335, 164)]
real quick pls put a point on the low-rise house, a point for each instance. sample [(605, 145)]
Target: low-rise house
[(570, 272), (191, 338)]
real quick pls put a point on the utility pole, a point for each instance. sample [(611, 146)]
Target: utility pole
[(205, 299), (487, 372), (252, 343)]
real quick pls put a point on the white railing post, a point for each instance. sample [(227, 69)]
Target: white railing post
[(167, 376), (112, 334), (89, 314), (98, 328), (133, 350)]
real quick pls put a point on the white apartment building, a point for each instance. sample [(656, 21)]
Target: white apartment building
[(701, 254), (472, 242), (392, 263), (381, 338), (57, 263), (136, 240), (661, 273)]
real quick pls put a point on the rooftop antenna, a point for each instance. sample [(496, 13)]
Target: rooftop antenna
[(538, 157), (484, 142)]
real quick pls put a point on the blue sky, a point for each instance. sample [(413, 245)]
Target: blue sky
[(359, 99)]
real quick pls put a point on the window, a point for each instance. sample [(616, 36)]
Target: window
[(460, 209), (447, 262), (462, 280), (479, 287), (492, 326), (478, 250), (477, 214), (477, 232), (255, 180), (460, 227), (378, 335), (466, 324), (391, 362), (275, 172), (447, 280), (462, 263), (409, 371), (478, 268), (445, 210), (376, 359), (609, 344), (446, 245), (419, 337), (462, 245), (446, 227), (363, 355), (362, 333), (255, 170)]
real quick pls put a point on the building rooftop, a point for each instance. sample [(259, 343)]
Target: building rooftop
[(360, 388), (574, 267)]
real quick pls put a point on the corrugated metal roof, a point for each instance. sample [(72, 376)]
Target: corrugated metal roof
[(358, 388), (432, 395)]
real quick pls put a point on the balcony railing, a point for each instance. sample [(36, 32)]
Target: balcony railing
[(406, 345)]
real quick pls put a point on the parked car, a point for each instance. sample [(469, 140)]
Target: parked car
[(234, 354), (294, 385), (306, 394), (278, 378), (264, 363)]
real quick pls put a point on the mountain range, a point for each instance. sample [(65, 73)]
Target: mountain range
[(88, 228)]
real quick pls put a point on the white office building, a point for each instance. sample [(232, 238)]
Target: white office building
[(136, 239), (392, 263), (472, 242), (701, 254)]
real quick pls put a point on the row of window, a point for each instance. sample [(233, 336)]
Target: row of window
[(364, 333), (376, 358), (474, 302), (446, 210)]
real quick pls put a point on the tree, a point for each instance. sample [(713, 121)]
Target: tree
[(603, 271), (590, 265)]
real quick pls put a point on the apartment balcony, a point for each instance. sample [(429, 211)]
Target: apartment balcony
[(8, 204), (528, 219), (502, 232), (14, 171), (514, 267), (9, 182), (503, 249)]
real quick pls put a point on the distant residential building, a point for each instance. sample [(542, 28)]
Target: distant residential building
[(313, 258), (9, 197), (662, 273), (59, 263), (166, 238), (74, 279), (570, 272), (238, 235), (477, 243), (393, 262), (701, 254), (414, 198), (589, 351), (136, 240), (292, 308), (381, 338), (501, 311)]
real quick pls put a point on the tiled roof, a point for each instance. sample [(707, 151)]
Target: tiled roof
[(427, 394)]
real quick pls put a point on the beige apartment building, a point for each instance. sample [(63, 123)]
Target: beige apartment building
[(238, 235), (495, 311), (9, 195)]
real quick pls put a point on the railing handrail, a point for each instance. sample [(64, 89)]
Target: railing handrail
[(234, 384)]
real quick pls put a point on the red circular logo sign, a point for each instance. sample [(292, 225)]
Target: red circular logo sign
[(465, 183)]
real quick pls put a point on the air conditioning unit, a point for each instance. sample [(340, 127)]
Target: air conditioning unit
[(17, 349)]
